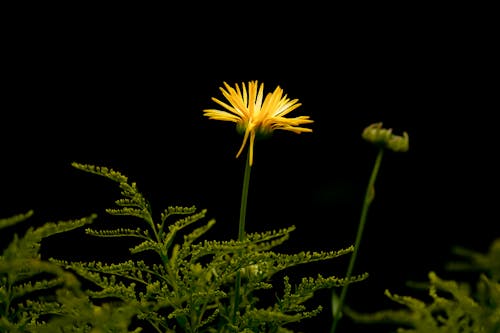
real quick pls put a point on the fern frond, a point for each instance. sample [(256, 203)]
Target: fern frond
[(177, 210), (266, 316), (109, 286), (409, 301), (399, 316), (309, 285), (149, 245), (20, 270), (32, 286), (133, 202), (283, 261), (86, 270), (263, 241), (131, 192), (120, 232), (51, 228), (293, 299), (136, 201), (264, 320), (10, 221), (458, 292), (28, 246), (211, 247), (452, 309), (127, 211), (101, 171), (136, 271), (181, 224), (197, 233), (78, 314), (475, 261), (117, 290), (269, 234), (210, 318), (28, 284)]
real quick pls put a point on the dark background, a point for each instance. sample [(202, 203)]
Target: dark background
[(127, 91)]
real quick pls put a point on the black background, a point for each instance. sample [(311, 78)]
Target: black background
[(126, 89)]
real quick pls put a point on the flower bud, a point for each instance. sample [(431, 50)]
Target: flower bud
[(384, 138), (399, 143)]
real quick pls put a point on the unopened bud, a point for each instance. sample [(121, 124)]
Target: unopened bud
[(383, 137), (399, 143)]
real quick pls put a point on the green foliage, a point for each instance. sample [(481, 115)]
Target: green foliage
[(176, 279), (184, 282), (453, 306), (487, 263), (39, 296)]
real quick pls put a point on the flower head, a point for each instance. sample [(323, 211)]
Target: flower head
[(255, 115)]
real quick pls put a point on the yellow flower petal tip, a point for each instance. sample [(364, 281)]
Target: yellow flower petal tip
[(255, 115)]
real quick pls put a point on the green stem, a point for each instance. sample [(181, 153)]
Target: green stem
[(244, 199), (369, 194), (241, 229)]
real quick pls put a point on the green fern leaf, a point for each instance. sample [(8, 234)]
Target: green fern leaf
[(10, 221)]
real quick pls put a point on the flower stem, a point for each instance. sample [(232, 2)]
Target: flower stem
[(369, 195), (241, 230), (244, 198)]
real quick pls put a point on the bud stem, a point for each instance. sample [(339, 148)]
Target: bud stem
[(369, 196)]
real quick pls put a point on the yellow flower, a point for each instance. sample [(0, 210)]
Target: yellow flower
[(255, 115)]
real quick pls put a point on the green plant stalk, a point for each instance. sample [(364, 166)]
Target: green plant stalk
[(369, 195), (241, 229)]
